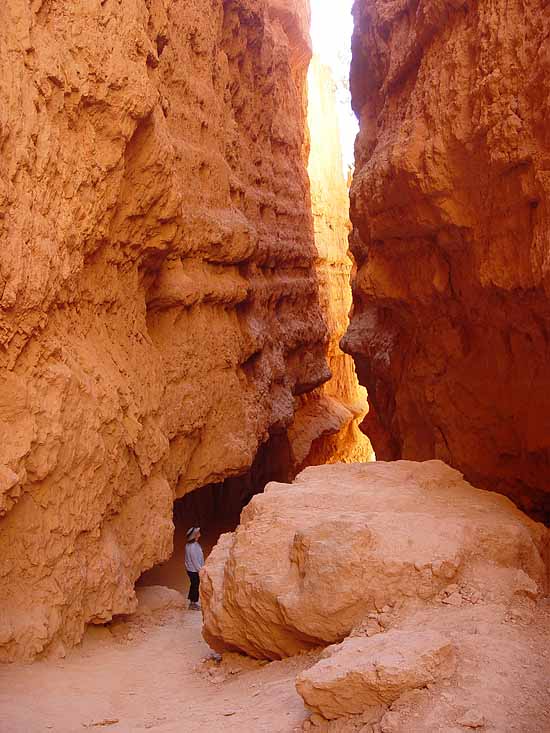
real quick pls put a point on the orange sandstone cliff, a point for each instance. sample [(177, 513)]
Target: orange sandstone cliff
[(159, 299), (451, 323), (326, 425)]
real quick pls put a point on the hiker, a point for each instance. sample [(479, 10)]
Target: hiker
[(194, 560)]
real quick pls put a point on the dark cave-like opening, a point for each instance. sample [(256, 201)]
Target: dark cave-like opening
[(216, 509)]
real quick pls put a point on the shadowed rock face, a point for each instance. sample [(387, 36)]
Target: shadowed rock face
[(158, 299), (451, 323)]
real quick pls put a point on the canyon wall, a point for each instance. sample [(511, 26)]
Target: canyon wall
[(159, 298), (326, 425), (451, 222)]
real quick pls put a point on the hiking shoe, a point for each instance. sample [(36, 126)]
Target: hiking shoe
[(194, 606)]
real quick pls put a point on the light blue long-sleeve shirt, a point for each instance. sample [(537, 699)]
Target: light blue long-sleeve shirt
[(194, 558)]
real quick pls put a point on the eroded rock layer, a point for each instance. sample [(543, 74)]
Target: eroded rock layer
[(451, 329), (158, 300)]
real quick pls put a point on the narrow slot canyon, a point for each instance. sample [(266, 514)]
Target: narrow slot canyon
[(277, 269)]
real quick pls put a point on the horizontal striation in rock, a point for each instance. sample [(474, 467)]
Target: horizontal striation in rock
[(159, 308)]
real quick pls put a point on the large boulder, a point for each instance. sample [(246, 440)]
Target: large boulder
[(311, 560), (363, 673)]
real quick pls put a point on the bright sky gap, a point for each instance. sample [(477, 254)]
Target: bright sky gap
[(331, 30)]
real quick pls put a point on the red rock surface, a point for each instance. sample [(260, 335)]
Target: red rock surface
[(363, 673), (451, 321), (312, 560), (441, 589), (159, 304)]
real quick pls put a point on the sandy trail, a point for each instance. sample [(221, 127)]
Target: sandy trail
[(153, 680), (158, 674), (151, 675)]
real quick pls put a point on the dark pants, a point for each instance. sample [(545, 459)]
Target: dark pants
[(193, 594)]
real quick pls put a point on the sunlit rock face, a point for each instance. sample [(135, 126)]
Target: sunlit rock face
[(314, 560), (326, 425), (451, 322), (159, 308)]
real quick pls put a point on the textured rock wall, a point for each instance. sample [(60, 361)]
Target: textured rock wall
[(451, 327), (319, 556), (326, 426), (428, 578), (158, 298)]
